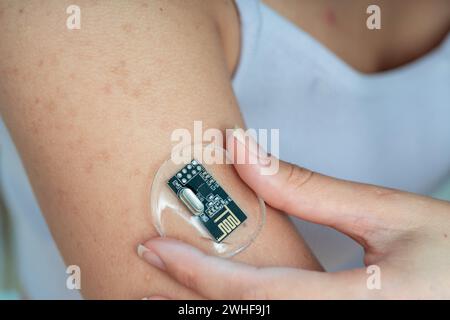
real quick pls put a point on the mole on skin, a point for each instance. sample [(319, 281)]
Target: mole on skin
[(329, 17)]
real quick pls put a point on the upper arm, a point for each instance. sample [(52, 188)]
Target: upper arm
[(91, 112)]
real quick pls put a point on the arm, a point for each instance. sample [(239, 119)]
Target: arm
[(91, 112)]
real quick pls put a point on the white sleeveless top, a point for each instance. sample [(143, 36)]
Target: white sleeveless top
[(390, 129)]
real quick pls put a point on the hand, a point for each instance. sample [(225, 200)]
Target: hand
[(406, 235)]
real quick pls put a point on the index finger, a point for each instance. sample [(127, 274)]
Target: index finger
[(353, 208)]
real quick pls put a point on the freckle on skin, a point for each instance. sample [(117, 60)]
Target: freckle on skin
[(107, 89), (73, 112), (80, 141), (86, 43), (147, 83), (120, 69), (41, 63), (104, 156), (126, 114), (88, 168), (75, 209), (61, 194), (127, 27), (21, 10), (123, 85), (50, 107), (136, 173), (136, 93), (14, 71), (35, 127), (445, 235)]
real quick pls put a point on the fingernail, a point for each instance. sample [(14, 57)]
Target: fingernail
[(253, 147), (150, 256)]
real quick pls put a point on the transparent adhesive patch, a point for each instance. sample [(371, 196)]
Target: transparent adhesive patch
[(202, 201)]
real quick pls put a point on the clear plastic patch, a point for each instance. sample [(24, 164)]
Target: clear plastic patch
[(206, 170)]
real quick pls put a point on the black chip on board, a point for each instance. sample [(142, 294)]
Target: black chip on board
[(206, 199)]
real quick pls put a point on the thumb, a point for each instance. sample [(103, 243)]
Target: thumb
[(217, 278), (353, 208)]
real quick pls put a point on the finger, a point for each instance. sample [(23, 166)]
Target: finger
[(211, 277), (352, 208), (217, 278)]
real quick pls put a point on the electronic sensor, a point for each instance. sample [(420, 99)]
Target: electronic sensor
[(207, 200)]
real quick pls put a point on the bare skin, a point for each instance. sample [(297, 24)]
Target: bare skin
[(408, 30), (91, 113)]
